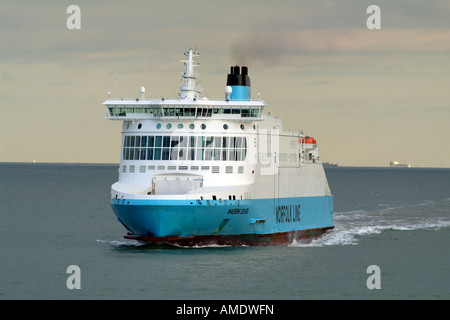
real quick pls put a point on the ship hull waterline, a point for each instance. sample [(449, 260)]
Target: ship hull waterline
[(271, 239), (186, 223)]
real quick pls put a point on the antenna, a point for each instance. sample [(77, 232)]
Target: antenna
[(115, 81), (190, 89)]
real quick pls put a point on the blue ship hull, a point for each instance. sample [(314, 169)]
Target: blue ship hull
[(225, 222)]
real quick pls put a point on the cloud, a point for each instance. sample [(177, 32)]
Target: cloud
[(6, 76), (318, 83), (275, 47), (61, 83)]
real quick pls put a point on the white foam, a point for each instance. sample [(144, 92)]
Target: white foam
[(349, 233), (122, 243)]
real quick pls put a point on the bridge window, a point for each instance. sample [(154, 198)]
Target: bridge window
[(172, 111), (210, 148)]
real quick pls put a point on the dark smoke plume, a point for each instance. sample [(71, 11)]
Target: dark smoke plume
[(256, 48)]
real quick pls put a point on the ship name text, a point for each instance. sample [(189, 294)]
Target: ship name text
[(287, 213), (238, 211)]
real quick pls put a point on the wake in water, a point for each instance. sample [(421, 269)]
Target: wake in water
[(352, 225), (135, 244), (122, 243)]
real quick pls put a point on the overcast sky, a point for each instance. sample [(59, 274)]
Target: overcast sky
[(368, 96)]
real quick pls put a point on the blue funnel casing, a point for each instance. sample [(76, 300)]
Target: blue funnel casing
[(239, 83)]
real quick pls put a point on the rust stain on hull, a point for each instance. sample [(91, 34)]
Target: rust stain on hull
[(281, 238)]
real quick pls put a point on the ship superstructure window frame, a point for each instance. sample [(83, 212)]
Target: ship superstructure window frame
[(202, 111), (184, 148)]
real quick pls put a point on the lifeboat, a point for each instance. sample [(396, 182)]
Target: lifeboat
[(308, 140)]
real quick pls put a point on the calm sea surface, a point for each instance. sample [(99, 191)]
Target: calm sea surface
[(56, 215)]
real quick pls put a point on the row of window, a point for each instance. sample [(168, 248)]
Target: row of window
[(185, 141), (185, 148), (214, 169), (191, 126), (184, 112)]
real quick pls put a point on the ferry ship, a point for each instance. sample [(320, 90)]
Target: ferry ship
[(196, 171)]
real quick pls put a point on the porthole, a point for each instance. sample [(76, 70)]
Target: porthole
[(158, 126), (242, 127), (180, 126), (191, 126), (139, 125), (203, 126), (169, 126), (225, 126)]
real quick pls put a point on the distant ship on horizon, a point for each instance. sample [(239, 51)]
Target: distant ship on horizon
[(330, 164), (396, 164)]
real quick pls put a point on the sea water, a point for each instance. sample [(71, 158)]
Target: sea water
[(53, 216)]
